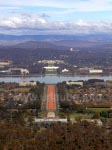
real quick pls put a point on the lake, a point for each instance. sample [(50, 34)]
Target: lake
[(52, 79)]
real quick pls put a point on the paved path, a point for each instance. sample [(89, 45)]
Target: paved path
[(51, 99)]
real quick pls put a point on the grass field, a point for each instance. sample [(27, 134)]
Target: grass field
[(98, 109), (1, 88), (42, 113), (78, 115), (21, 89)]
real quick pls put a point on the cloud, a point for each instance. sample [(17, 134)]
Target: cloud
[(9, 8), (24, 21), (45, 16), (77, 5), (27, 24)]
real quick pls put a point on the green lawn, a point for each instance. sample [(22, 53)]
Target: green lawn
[(98, 109), (24, 89), (42, 113), (78, 115), (1, 88)]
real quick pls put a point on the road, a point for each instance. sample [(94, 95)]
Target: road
[(51, 98)]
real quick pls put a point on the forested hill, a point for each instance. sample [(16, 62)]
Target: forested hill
[(37, 44), (29, 52)]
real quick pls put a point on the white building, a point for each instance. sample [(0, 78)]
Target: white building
[(92, 71), (50, 115), (65, 70), (50, 120), (51, 69), (74, 83), (22, 70), (23, 84), (5, 63)]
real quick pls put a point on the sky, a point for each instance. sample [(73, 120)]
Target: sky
[(25, 17)]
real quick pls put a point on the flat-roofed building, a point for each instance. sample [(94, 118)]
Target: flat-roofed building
[(49, 120), (93, 71), (51, 68), (5, 63), (27, 84), (74, 83), (50, 115), (21, 70)]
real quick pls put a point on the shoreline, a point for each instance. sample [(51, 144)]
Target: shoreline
[(52, 79), (61, 75)]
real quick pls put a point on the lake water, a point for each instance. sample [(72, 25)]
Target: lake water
[(52, 79)]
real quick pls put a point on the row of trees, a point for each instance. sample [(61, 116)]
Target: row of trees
[(54, 137), (61, 91), (67, 106)]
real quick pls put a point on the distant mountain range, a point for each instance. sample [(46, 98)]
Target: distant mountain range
[(90, 37), (45, 41), (34, 45)]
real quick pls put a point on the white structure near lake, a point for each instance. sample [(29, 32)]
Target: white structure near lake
[(65, 70), (92, 71), (74, 83), (23, 84), (51, 68), (22, 70)]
